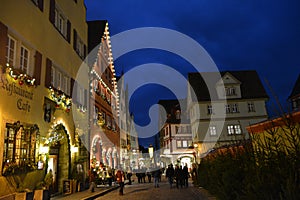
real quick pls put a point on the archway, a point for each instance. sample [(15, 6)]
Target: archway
[(59, 156)]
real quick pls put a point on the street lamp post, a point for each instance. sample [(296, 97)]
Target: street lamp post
[(151, 149)]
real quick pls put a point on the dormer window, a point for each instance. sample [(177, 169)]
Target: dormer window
[(230, 91)]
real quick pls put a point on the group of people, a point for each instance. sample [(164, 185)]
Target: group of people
[(179, 174), (142, 173)]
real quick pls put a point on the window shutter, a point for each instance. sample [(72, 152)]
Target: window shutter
[(52, 11), (37, 68), (75, 39), (73, 90), (68, 31), (48, 73), (3, 44), (41, 5)]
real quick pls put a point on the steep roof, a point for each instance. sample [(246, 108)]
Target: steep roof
[(296, 89), (251, 86)]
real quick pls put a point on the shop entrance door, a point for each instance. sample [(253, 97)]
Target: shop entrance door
[(52, 164)]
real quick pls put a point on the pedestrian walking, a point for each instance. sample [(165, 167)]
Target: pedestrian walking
[(129, 174), (148, 173), (186, 175), (156, 174), (120, 175), (170, 174), (92, 175)]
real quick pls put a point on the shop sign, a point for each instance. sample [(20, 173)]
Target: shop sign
[(13, 89)]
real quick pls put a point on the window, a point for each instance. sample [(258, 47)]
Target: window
[(178, 142), (177, 130), (227, 108), (60, 81), (81, 96), (234, 108), (177, 114), (209, 109), (230, 129), (108, 124), (212, 131), (60, 22), (230, 91), (237, 129), (19, 145), (79, 47), (234, 129), (231, 108), (11, 51), (184, 143), (251, 107)]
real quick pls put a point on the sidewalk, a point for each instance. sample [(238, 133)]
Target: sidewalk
[(87, 194)]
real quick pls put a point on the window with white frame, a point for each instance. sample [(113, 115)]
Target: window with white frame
[(237, 129), (178, 143), (24, 59), (227, 108), (60, 22), (234, 108), (234, 129), (209, 109), (11, 51), (184, 143), (251, 107), (230, 129), (230, 91), (212, 131), (60, 80), (79, 46)]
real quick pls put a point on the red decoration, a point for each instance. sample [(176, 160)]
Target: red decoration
[(21, 82)]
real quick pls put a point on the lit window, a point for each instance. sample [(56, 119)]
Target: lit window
[(237, 129), (212, 131), (179, 145), (184, 143), (230, 129), (234, 129)]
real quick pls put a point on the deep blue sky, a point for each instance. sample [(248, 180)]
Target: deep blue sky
[(238, 35)]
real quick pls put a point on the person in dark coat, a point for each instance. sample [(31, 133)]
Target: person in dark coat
[(186, 175), (156, 174), (170, 174)]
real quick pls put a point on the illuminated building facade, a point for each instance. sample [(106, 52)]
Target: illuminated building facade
[(42, 45), (105, 133)]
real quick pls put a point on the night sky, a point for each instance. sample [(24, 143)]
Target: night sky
[(238, 35)]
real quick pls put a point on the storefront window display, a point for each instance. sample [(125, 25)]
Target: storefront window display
[(20, 148)]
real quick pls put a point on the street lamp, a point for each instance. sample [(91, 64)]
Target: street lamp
[(150, 149)]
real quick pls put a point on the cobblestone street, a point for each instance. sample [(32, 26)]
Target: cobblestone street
[(147, 191)]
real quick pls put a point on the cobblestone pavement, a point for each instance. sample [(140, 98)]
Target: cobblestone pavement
[(147, 191)]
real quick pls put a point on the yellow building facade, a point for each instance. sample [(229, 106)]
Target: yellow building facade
[(42, 46)]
